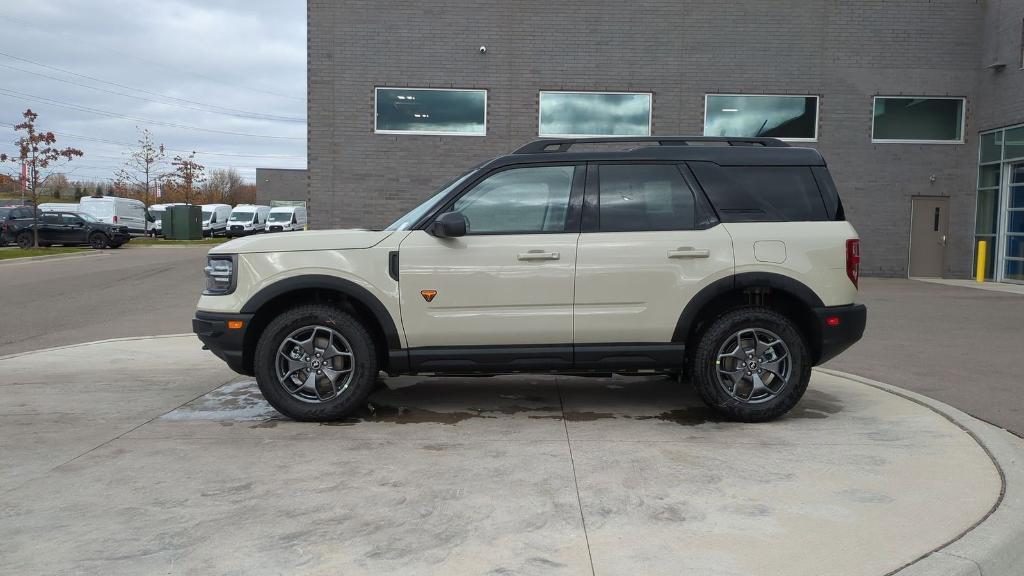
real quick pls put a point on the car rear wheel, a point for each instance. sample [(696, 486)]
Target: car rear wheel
[(24, 240), (315, 363), (98, 240), (751, 365)]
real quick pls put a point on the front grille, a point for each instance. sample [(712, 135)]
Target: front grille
[(238, 227), (276, 228)]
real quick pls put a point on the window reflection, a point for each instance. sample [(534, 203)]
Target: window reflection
[(790, 117), (918, 119), (432, 111), (594, 114)]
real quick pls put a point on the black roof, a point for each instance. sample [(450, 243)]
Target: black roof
[(723, 151)]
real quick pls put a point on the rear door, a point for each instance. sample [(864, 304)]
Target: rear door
[(509, 280), (51, 229), (649, 244)]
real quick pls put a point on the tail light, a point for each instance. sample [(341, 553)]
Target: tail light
[(853, 261), (115, 219)]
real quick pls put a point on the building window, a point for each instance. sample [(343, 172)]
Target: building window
[(594, 114), (748, 116), (918, 120), (446, 112)]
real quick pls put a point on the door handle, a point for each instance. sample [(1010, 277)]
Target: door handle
[(689, 252), (538, 255)]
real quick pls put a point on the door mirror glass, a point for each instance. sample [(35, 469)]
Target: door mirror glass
[(449, 225)]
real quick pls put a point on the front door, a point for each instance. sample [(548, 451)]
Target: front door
[(1013, 254), (73, 229), (509, 281), (929, 228)]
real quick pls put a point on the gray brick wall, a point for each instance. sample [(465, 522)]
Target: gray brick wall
[(1001, 93), (845, 51), (281, 184)]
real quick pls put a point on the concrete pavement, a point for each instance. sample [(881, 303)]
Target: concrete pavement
[(129, 457)]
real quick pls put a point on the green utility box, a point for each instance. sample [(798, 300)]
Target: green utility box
[(183, 222)]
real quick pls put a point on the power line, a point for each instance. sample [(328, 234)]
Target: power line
[(31, 97), (198, 152), (212, 109), (167, 66)]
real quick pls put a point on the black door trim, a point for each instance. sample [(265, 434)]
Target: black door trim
[(547, 358)]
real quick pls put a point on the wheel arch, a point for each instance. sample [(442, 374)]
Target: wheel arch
[(273, 299), (784, 294)]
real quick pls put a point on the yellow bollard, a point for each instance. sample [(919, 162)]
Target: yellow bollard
[(979, 273)]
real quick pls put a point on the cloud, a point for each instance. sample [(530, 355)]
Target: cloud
[(231, 67)]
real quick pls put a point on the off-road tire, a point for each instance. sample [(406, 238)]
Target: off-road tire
[(359, 388), (98, 240), (703, 369)]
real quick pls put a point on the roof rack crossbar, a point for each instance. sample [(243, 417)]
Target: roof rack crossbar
[(564, 144)]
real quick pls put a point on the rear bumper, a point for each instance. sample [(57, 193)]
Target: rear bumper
[(226, 344), (846, 328)]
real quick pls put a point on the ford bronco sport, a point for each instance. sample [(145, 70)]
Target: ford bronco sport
[(724, 260)]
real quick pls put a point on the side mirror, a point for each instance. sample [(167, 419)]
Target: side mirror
[(450, 225)]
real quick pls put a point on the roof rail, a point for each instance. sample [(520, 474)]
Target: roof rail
[(564, 144)]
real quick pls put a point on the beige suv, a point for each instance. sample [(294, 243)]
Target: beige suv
[(726, 260)]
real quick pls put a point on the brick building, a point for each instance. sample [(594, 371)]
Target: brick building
[(901, 98)]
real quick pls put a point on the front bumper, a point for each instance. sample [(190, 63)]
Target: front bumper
[(225, 343), (840, 327)]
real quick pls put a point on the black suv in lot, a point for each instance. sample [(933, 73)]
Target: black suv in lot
[(12, 219), (70, 229)]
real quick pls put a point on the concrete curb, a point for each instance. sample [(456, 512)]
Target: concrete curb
[(994, 546), (125, 339), (23, 259)]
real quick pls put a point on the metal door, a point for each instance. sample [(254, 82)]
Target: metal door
[(929, 230)]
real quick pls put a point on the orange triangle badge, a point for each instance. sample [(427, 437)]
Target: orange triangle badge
[(428, 295)]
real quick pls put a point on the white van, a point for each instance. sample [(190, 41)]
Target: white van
[(247, 219), (215, 219), (58, 207), (157, 212), (114, 210), (286, 218)]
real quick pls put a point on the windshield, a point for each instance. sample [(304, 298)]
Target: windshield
[(86, 217), (416, 213), (4, 212), (241, 217), (279, 217)]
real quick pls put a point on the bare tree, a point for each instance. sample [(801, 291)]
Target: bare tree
[(37, 152), (188, 175), (223, 185), (144, 168)]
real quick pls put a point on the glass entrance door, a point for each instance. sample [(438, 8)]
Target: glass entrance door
[(1013, 245)]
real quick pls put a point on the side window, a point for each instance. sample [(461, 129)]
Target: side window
[(638, 197), (761, 193), (49, 218), (529, 200)]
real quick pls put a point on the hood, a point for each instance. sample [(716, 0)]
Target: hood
[(295, 241)]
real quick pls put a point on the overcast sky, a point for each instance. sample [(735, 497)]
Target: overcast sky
[(224, 78)]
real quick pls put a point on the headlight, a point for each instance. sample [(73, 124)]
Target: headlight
[(220, 275)]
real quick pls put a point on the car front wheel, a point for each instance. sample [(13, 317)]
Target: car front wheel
[(751, 365), (315, 363), (98, 241), (25, 240)]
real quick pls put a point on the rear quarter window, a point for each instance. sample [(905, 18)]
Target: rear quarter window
[(762, 193)]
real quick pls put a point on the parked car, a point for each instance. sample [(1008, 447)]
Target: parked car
[(74, 229), (286, 219), (58, 206), (729, 263), (156, 211), (215, 219), (247, 219), (126, 212), (13, 218)]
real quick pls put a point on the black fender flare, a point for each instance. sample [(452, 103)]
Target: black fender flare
[(347, 287), (693, 308)]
